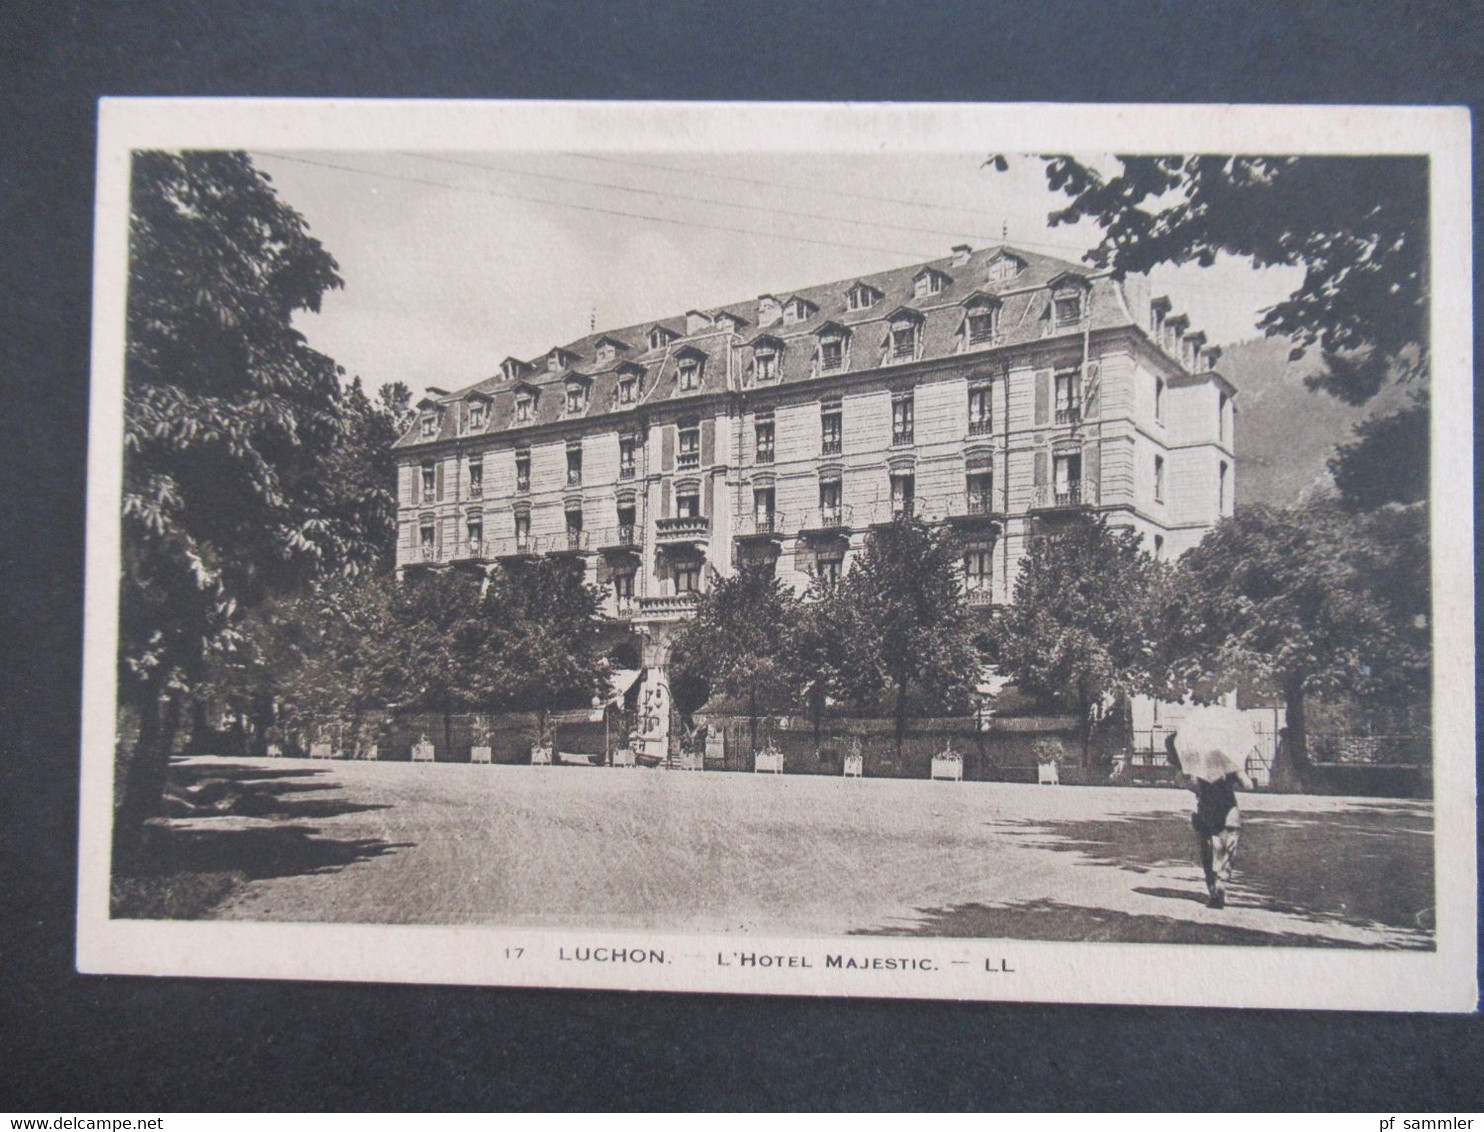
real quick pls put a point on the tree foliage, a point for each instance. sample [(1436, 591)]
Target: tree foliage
[(1080, 626), (1387, 462), (1357, 226)]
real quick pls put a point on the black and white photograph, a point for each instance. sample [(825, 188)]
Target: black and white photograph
[(972, 552)]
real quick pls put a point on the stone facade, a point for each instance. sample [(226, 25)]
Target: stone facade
[(994, 391)]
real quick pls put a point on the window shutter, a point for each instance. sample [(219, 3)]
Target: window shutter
[(708, 443), (706, 500), (1040, 467), (605, 571), (413, 472), (1092, 462), (438, 490), (664, 499), (1043, 396), (438, 537), (667, 448)]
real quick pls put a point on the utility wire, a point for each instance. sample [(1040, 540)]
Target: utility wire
[(766, 209), (914, 255)]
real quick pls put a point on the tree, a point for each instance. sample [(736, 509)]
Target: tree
[(1387, 462), (821, 652), (739, 643), (1312, 598), (228, 418), (1358, 226), (545, 622), (1079, 629), (912, 628), (440, 646)]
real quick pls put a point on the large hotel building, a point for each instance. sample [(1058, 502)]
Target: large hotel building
[(995, 391)]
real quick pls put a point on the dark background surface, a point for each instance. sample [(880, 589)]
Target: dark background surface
[(69, 1043)]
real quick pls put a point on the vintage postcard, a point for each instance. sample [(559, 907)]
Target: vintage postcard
[(938, 551)]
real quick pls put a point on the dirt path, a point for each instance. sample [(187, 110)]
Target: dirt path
[(524, 846)]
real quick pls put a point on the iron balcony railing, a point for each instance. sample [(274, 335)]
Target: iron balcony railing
[(688, 461), (765, 523), (427, 553), (1069, 415), (428, 495), (515, 545), (570, 540), (624, 535), (626, 471), (1074, 493), (474, 548), (979, 596), (830, 446), (765, 454), (684, 528), (981, 427), (973, 505), (823, 519), (901, 436), (670, 603), (476, 490)]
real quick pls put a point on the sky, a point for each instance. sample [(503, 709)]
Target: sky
[(454, 261)]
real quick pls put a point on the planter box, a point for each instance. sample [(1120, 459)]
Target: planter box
[(480, 754), (623, 757), (767, 762), (422, 752), (371, 753), (321, 751), (540, 756), (950, 768), (689, 762), (274, 751), (1046, 775), (855, 766)]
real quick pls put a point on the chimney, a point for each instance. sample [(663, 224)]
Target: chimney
[(769, 310), (696, 321), (961, 254), (434, 391)]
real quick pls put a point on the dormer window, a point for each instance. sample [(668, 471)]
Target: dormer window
[(626, 391), (981, 321), (606, 352), (797, 310), (523, 409), (861, 297), (1004, 268), (688, 369), (904, 336), (1068, 310), (929, 282), (557, 360), (430, 425), (476, 415), (831, 354), (576, 399), (767, 365), (660, 337)]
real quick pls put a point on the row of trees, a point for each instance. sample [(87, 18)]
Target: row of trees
[(1316, 600)]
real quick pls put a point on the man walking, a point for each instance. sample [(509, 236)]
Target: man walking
[(1210, 749)]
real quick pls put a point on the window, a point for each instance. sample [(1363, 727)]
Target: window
[(687, 577), (574, 466), (1159, 400), (687, 504), (626, 391), (1221, 417), (1068, 310), (627, 526), (767, 365), (626, 457), (928, 283), (902, 496), (904, 341), (1159, 547), (606, 352), (1221, 489), (1067, 479), (860, 297), (797, 310), (830, 431), (476, 479), (522, 410), (576, 399), (522, 531), (658, 337), (829, 504), (425, 538), (429, 480), (831, 354), (430, 425), (476, 415), (978, 570), (901, 419), (762, 508), (981, 326), (980, 497), (1068, 396), (523, 470), (574, 529), (981, 410), (689, 373), (1159, 479), (764, 431), (690, 446), (475, 531), (828, 570), (623, 590), (1006, 267)]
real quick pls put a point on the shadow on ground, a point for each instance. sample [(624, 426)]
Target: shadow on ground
[(182, 873), (1365, 865)]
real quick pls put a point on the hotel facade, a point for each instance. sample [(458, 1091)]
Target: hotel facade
[(995, 391)]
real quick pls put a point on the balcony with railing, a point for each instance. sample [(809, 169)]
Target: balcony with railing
[(1065, 496), (979, 596), (670, 603), (626, 471), (688, 461), (829, 520), (974, 505), (569, 542), (761, 525), (471, 551), (981, 426), (764, 453), (830, 446), (1069, 414), (515, 546), (625, 536), (682, 529), (901, 437)]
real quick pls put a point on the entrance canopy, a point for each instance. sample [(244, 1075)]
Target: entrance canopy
[(620, 680)]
